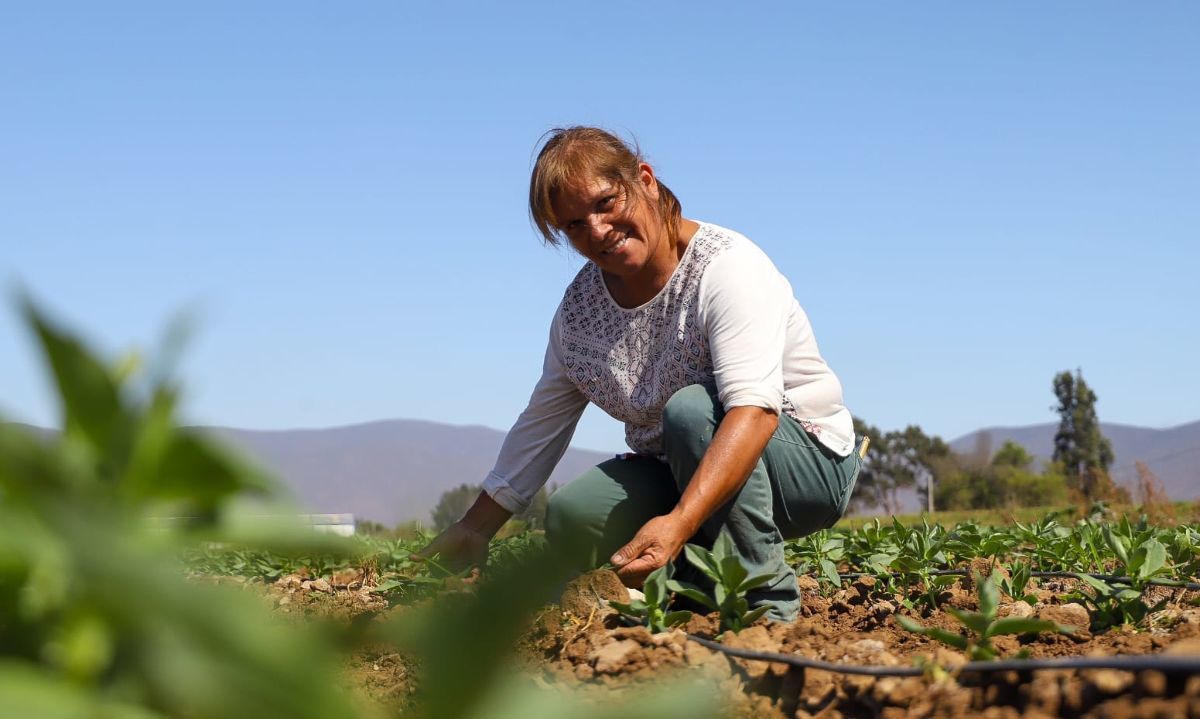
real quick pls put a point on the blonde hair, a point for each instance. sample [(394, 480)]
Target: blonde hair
[(576, 153)]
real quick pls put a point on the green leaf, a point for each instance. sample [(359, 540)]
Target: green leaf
[(1101, 587), (1023, 625), (957, 641), (692, 592), (750, 617), (975, 622), (674, 619), (910, 624), (724, 546), (830, 572), (654, 586), (703, 560), (1117, 544), (753, 582), (1154, 558), (732, 572), (90, 395), (989, 597)]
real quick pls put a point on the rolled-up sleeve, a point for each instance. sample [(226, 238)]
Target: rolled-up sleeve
[(540, 436), (744, 305)]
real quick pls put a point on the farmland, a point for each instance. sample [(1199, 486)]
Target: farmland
[(859, 587)]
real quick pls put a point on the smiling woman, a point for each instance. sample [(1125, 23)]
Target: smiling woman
[(687, 333)]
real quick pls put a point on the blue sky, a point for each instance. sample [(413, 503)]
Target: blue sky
[(966, 197)]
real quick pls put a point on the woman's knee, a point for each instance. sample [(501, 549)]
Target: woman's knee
[(691, 409), (563, 515)]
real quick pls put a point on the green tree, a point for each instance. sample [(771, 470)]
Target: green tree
[(898, 460), (453, 504), (1080, 448), (1012, 454)]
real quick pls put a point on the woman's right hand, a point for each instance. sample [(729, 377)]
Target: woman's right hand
[(457, 547)]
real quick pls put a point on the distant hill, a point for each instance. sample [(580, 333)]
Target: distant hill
[(395, 470), (390, 471), (1173, 454)]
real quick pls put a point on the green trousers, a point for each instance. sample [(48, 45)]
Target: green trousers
[(797, 487)]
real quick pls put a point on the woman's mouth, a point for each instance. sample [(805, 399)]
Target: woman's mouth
[(617, 247)]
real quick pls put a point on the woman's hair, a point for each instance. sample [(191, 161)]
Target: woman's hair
[(577, 153)]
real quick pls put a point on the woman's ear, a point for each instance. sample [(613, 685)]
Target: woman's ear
[(648, 180)]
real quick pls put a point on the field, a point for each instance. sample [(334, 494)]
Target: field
[(858, 586)]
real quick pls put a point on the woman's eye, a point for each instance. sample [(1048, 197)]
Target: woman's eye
[(607, 202)]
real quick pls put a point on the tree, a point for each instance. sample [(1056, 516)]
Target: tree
[(1080, 448), (453, 504), (898, 460), (1012, 454), (927, 457)]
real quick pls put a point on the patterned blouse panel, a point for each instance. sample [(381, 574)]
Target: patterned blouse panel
[(629, 362)]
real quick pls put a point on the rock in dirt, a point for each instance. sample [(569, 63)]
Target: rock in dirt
[(883, 609), (756, 639), (1186, 647), (1072, 614), (591, 592), (320, 584), (806, 583), (1110, 681), (1016, 609), (1152, 683), (609, 658)]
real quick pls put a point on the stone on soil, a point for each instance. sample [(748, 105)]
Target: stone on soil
[(609, 658), (1072, 614)]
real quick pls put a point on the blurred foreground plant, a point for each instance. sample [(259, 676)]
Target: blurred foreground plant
[(95, 617)]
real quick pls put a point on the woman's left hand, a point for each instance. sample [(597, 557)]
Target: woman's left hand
[(656, 543)]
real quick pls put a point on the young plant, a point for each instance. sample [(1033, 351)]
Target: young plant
[(1016, 586), (653, 610), (1114, 604), (731, 581), (818, 552), (983, 625)]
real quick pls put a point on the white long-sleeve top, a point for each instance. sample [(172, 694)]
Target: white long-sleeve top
[(727, 316)]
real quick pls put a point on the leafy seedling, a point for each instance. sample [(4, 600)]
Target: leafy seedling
[(983, 625), (1016, 585), (731, 582), (653, 612)]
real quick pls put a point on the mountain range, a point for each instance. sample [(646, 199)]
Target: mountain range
[(396, 470)]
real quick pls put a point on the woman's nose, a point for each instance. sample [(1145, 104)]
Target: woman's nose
[(598, 227)]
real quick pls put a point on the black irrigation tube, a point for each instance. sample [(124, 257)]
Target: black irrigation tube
[(1063, 575), (1156, 662)]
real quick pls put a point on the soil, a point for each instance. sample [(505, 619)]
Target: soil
[(583, 644)]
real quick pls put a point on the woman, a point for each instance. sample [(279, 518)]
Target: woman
[(687, 333)]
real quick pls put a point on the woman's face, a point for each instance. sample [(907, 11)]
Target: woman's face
[(617, 232)]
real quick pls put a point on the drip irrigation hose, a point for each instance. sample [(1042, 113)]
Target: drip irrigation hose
[(1156, 662), (1063, 575)]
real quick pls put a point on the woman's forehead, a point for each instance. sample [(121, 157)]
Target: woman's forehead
[(584, 187)]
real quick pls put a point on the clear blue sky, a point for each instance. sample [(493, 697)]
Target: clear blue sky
[(966, 197)]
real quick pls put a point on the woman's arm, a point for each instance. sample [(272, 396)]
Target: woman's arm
[(529, 454), (465, 543), (736, 446), (744, 304)]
